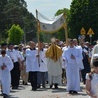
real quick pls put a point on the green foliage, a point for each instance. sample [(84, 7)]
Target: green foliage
[(30, 25), (64, 11), (15, 34), (41, 37), (15, 12), (83, 13), (61, 33), (2, 18)]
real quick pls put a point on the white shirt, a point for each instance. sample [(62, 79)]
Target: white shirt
[(21, 56), (43, 61), (14, 54), (31, 60)]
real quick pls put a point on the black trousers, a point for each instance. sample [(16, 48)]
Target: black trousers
[(15, 75), (83, 72), (41, 78), (33, 79)]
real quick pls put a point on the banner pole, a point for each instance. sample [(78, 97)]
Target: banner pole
[(37, 26), (66, 31), (38, 37)]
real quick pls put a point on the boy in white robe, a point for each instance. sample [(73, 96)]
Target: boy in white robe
[(6, 66), (43, 66)]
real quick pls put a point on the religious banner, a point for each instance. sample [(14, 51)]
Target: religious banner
[(51, 25)]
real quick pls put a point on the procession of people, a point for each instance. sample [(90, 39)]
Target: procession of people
[(49, 63)]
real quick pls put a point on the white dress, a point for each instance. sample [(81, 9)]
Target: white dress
[(94, 83)]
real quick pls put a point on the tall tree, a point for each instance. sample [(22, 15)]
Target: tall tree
[(15, 12), (2, 15), (83, 13)]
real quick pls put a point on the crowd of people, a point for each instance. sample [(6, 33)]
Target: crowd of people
[(53, 63)]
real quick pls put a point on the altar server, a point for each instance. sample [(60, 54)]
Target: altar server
[(6, 66), (32, 65)]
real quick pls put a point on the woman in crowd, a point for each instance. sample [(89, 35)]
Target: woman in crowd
[(92, 79)]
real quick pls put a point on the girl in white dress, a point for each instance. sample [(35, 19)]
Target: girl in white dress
[(92, 79)]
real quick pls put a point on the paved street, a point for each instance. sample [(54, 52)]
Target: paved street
[(26, 92)]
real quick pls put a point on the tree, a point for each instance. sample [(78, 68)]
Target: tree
[(15, 12), (83, 13), (30, 25), (41, 38), (15, 34), (61, 33), (2, 19)]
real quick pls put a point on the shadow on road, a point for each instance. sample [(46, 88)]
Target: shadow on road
[(12, 97)]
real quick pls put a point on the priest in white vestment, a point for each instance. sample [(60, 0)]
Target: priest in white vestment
[(54, 65), (6, 66), (72, 57)]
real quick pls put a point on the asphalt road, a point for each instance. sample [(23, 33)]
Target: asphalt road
[(24, 91)]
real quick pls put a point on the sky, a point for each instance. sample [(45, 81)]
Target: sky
[(47, 7)]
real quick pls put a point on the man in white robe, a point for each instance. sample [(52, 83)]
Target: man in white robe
[(32, 65), (6, 66), (72, 57)]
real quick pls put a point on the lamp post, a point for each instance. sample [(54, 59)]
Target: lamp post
[(90, 33)]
